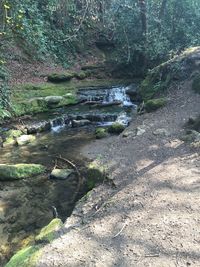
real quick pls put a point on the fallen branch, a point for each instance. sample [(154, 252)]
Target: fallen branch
[(125, 224), (80, 180), (70, 163)]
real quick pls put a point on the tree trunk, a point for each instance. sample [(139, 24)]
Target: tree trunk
[(161, 14), (143, 14)]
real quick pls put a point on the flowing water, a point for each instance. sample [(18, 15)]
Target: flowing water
[(26, 205)]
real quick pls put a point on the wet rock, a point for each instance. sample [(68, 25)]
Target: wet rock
[(161, 132), (80, 123), (53, 100), (132, 92), (61, 174), (39, 127), (101, 133), (116, 128), (19, 171), (25, 139)]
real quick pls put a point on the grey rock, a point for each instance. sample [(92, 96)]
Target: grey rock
[(25, 139), (38, 127), (140, 131), (161, 132), (61, 174), (80, 123), (53, 100)]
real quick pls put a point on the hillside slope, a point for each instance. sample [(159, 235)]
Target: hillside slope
[(151, 216)]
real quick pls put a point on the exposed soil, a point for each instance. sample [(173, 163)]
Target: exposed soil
[(151, 217)]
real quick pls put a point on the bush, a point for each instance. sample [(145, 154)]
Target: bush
[(154, 104)]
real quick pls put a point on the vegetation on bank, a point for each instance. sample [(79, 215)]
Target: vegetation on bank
[(67, 30)]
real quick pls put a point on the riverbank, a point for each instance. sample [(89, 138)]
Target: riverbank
[(149, 214)]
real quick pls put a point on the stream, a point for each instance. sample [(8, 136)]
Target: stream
[(26, 205)]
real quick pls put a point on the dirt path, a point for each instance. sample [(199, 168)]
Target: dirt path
[(152, 217)]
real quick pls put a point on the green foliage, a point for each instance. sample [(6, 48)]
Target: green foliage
[(116, 128), (154, 104), (101, 133)]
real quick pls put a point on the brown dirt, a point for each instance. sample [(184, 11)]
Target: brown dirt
[(152, 216)]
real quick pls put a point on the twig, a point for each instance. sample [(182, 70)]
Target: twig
[(152, 255), (80, 180), (125, 224)]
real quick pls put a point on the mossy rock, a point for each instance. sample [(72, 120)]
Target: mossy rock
[(13, 133), (20, 171), (60, 77), (49, 232), (101, 133), (96, 173), (154, 104), (81, 75), (196, 84), (11, 136), (116, 128), (27, 257)]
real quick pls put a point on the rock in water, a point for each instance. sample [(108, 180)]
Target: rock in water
[(25, 139), (19, 171), (53, 100), (80, 123), (61, 174)]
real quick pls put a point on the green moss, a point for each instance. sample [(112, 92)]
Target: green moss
[(196, 84), (154, 104), (81, 75), (26, 257), (13, 133), (156, 82), (10, 137), (101, 133), (60, 77), (116, 128), (20, 171), (49, 232), (96, 173)]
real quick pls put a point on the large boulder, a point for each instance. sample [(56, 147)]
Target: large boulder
[(132, 92), (19, 171), (80, 123), (60, 77), (38, 127)]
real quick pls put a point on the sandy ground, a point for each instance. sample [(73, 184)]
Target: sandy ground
[(152, 215)]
